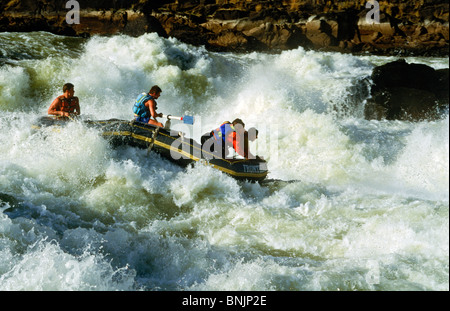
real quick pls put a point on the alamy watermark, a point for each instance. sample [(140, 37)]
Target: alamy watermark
[(73, 16), (212, 148), (373, 16)]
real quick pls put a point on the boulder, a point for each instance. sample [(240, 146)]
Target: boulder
[(402, 91)]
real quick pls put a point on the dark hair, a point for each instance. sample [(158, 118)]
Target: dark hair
[(67, 86), (238, 121), (155, 89)]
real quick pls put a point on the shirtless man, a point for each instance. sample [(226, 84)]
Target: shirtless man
[(65, 105)]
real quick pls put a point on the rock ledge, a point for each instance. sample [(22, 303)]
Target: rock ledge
[(406, 27)]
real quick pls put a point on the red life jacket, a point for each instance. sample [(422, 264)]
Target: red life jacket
[(222, 132), (68, 104), (226, 133)]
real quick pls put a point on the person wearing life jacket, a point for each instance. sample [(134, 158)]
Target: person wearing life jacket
[(145, 107), (233, 135), (65, 105)]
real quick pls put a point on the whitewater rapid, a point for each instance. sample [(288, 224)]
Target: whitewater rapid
[(350, 204)]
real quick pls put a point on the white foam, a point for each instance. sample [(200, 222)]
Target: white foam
[(362, 205)]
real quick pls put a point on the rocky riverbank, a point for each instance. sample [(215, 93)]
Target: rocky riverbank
[(404, 28)]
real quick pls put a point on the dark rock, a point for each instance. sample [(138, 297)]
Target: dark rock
[(230, 14), (141, 24), (405, 28), (405, 91), (441, 89), (401, 74)]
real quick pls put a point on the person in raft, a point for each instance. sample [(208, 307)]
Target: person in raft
[(230, 134), (145, 107), (65, 105)]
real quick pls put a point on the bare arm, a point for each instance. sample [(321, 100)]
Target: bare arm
[(151, 106), (55, 108)]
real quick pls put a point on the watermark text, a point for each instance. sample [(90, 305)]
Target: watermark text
[(373, 16), (73, 16)]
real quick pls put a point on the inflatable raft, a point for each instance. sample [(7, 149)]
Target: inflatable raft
[(170, 144)]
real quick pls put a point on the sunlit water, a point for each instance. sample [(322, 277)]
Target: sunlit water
[(349, 204)]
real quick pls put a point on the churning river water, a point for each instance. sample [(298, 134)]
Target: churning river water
[(349, 204)]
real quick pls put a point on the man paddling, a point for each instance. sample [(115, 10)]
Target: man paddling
[(67, 104)]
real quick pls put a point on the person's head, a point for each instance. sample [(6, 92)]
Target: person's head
[(155, 91), (68, 87), (252, 134), (238, 121)]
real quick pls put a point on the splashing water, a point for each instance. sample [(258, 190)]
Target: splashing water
[(350, 204)]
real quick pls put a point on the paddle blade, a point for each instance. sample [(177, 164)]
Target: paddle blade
[(188, 119)]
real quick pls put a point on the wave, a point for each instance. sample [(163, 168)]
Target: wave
[(349, 204)]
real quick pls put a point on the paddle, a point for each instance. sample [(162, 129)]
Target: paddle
[(185, 119)]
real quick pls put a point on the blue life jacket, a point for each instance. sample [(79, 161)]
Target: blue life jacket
[(139, 107), (222, 131)]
